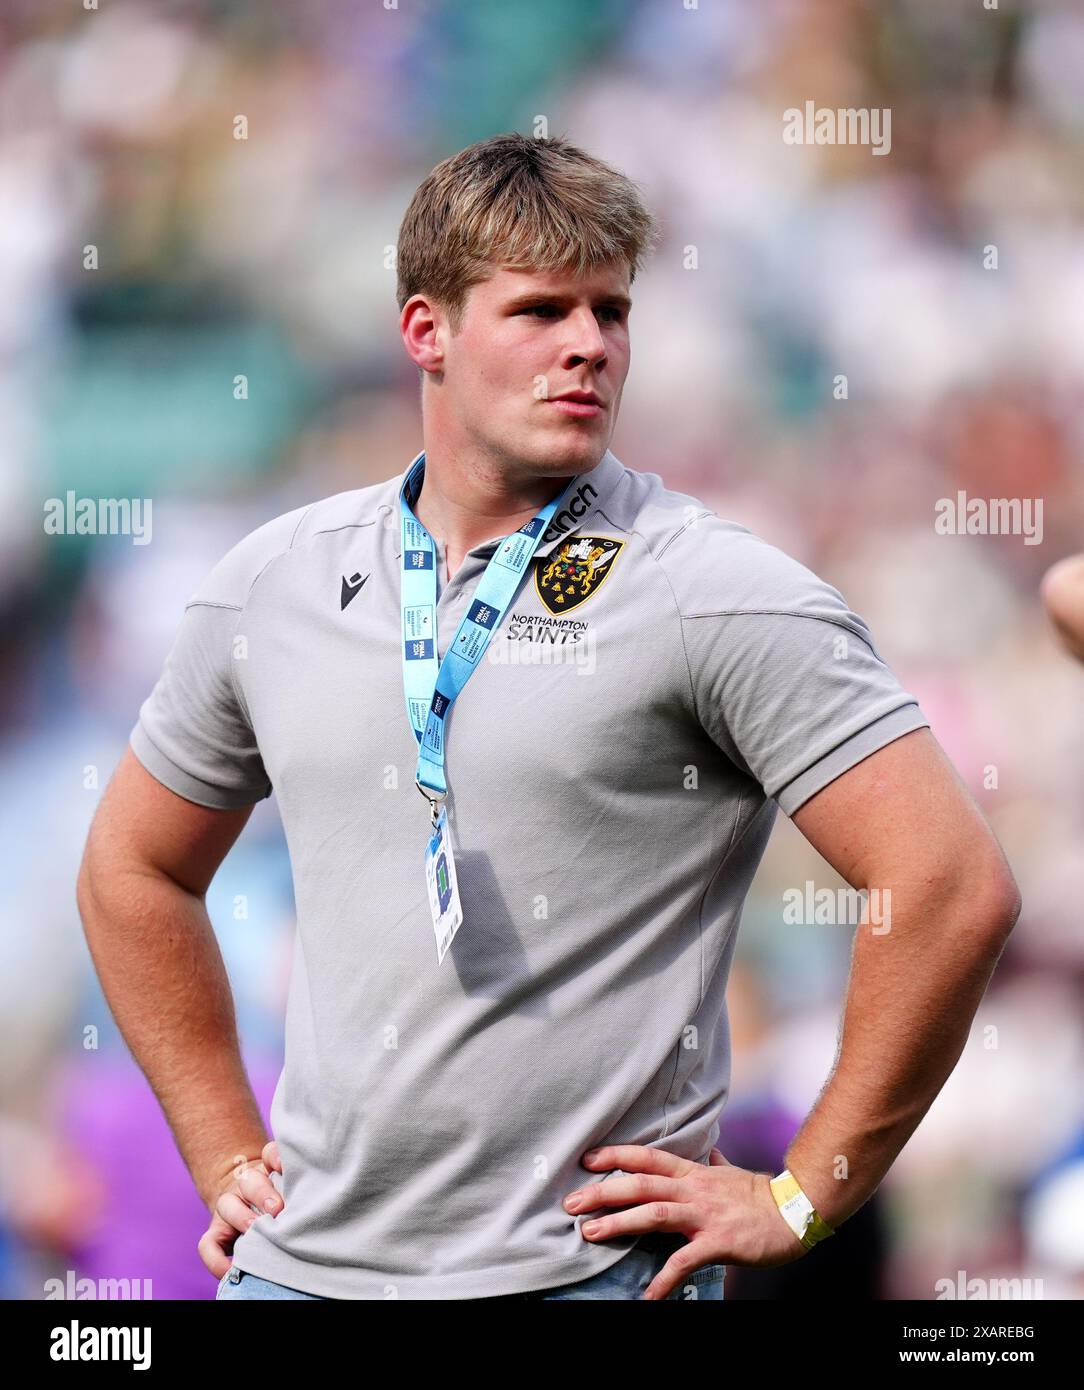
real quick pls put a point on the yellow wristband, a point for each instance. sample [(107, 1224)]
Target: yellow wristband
[(798, 1211)]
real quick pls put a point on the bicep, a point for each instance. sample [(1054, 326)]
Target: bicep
[(902, 817), (141, 825)]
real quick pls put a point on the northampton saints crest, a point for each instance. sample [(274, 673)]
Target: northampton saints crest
[(570, 574)]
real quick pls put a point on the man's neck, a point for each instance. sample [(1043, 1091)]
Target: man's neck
[(466, 505)]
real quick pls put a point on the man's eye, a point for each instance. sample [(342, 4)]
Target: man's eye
[(546, 310)]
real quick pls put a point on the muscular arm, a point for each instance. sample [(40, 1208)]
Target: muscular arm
[(149, 858), (901, 820)]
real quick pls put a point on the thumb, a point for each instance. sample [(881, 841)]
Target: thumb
[(715, 1158)]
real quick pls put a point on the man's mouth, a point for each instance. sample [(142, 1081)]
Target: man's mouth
[(583, 407)]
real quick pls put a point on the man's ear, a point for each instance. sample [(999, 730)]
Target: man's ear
[(418, 327)]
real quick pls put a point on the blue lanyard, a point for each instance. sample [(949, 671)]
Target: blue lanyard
[(430, 692)]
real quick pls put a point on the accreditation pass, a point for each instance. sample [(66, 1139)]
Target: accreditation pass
[(443, 888)]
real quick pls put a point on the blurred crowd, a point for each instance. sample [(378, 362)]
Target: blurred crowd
[(825, 344)]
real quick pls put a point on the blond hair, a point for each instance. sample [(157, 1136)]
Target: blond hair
[(524, 203)]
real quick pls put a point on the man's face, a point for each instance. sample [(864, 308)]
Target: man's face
[(527, 338)]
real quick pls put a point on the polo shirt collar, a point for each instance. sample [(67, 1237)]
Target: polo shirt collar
[(583, 498)]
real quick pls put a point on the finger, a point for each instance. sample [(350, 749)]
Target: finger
[(256, 1187), (215, 1245), (678, 1270), (213, 1256), (270, 1155), (627, 1187), (654, 1216), (639, 1158), (715, 1159), (235, 1213)]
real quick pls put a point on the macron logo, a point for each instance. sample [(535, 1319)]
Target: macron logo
[(351, 588)]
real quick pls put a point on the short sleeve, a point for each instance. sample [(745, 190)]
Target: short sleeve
[(193, 733), (788, 682)]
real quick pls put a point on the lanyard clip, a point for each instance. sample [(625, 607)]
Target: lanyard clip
[(434, 800)]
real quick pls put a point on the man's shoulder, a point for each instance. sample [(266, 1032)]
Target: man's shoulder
[(230, 581), (713, 563)]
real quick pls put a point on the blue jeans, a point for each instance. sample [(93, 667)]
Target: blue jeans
[(628, 1278)]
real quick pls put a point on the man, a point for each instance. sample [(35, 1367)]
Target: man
[(528, 715)]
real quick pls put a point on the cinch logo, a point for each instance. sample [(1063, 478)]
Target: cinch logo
[(575, 511)]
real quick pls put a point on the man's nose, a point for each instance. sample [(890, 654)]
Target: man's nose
[(585, 341)]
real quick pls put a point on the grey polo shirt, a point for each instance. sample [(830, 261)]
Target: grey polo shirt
[(662, 680)]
